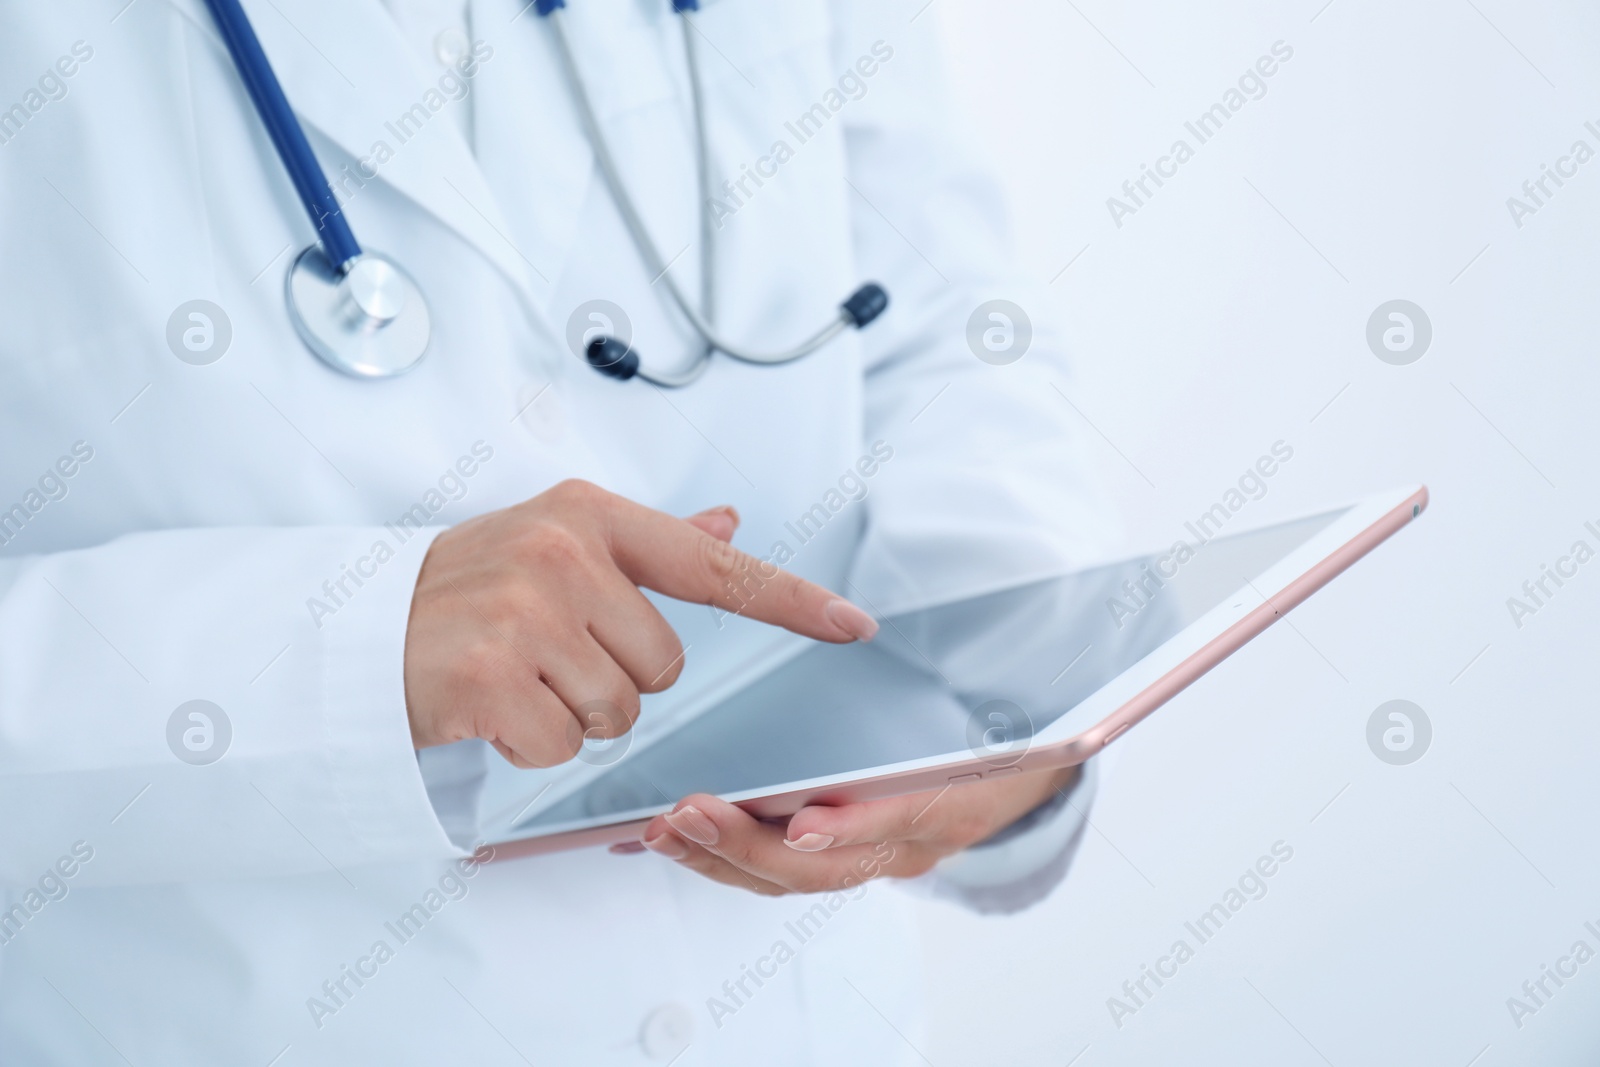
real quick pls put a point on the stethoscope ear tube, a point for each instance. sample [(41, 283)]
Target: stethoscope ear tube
[(362, 314), (338, 243), (618, 360)]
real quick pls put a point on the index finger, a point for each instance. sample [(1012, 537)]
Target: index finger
[(673, 557)]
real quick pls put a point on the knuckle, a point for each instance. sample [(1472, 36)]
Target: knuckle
[(883, 856), (501, 604), (793, 593), (626, 702), (721, 560), (570, 747), (665, 680), (565, 738), (550, 736), (511, 755), (480, 666), (577, 493), (668, 652), (553, 549), (610, 716), (739, 852)]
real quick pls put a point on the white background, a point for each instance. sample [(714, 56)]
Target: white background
[(1226, 315)]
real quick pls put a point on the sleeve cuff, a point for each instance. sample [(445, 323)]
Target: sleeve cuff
[(376, 777), (455, 776)]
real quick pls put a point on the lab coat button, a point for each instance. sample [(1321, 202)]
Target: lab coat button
[(450, 47), (666, 1032)]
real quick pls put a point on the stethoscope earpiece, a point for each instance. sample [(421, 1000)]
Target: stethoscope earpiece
[(619, 360), (362, 314), (612, 358), (865, 304)]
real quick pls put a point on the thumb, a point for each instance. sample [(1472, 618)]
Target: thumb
[(720, 522)]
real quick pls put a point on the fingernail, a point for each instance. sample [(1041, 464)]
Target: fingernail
[(810, 842), (668, 846), (626, 848), (851, 619), (726, 510), (720, 522), (692, 823)]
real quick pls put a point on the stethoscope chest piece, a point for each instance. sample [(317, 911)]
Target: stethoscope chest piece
[(369, 322)]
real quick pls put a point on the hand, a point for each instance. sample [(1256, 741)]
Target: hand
[(833, 848), (528, 629)]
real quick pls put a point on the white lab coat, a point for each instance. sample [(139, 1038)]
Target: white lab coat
[(207, 506)]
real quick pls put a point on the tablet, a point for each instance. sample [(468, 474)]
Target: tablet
[(1040, 676)]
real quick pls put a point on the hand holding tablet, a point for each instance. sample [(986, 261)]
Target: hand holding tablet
[(1037, 678)]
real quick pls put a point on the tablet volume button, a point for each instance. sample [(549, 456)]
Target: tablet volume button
[(958, 779), (1114, 734)]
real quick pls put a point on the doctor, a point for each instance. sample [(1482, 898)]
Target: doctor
[(265, 625)]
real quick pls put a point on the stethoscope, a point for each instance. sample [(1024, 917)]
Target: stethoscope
[(361, 313)]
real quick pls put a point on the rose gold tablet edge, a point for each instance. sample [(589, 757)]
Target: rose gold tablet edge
[(1066, 753)]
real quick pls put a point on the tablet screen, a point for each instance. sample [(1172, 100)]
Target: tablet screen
[(936, 682)]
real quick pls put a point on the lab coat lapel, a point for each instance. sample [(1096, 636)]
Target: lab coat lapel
[(348, 73), (530, 142)]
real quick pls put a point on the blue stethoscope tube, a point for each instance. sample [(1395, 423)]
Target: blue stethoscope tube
[(338, 242), (357, 310), (362, 314)]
